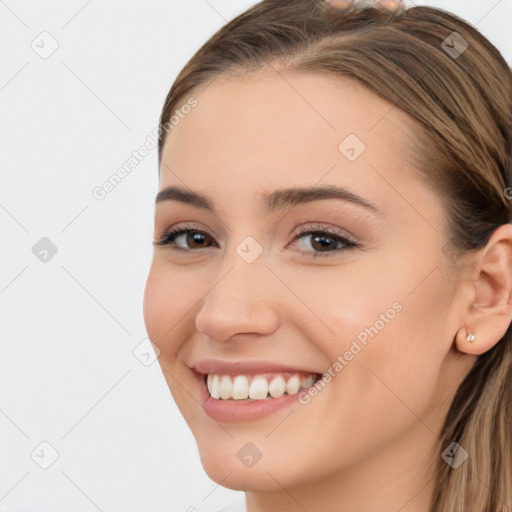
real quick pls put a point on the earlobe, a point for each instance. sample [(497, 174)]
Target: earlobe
[(469, 343), (489, 313)]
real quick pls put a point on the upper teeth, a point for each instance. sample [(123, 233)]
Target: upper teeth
[(256, 387)]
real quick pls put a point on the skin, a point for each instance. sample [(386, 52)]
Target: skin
[(367, 441)]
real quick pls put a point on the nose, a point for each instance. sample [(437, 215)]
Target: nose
[(241, 301)]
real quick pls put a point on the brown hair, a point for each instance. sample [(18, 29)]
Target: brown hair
[(461, 105)]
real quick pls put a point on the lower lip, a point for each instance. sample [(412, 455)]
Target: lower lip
[(239, 411)]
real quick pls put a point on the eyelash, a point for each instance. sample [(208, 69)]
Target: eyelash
[(169, 238)]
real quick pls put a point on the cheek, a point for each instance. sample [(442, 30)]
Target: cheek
[(386, 323), (396, 373), (155, 306), (343, 301), (169, 298)]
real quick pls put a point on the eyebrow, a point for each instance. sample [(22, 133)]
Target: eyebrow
[(272, 201)]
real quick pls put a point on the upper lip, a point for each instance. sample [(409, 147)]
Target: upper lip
[(220, 367)]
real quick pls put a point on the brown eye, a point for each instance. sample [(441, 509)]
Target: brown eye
[(193, 239), (324, 241), (196, 239)]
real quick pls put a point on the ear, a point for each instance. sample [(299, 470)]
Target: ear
[(488, 310)]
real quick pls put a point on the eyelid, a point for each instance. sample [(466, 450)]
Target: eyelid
[(189, 225), (324, 227)]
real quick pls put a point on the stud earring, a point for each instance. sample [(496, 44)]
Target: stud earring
[(470, 337)]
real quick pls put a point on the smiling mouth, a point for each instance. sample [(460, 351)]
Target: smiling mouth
[(266, 386)]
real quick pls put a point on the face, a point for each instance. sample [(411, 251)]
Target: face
[(274, 285)]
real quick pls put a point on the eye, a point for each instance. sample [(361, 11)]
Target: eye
[(324, 240), (180, 238)]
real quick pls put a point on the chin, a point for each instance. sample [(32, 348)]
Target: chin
[(238, 478), (222, 464)]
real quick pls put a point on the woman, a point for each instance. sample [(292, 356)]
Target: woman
[(332, 273)]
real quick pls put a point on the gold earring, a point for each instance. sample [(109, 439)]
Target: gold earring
[(470, 337)]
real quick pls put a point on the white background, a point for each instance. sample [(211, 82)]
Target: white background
[(68, 327)]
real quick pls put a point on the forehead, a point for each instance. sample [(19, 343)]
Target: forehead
[(275, 129), (253, 108)]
